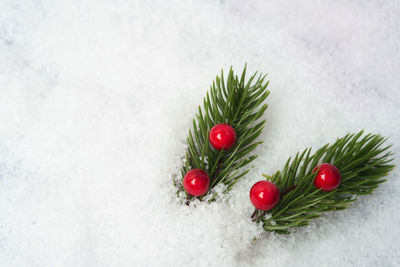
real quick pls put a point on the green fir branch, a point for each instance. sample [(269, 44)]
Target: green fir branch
[(239, 103), (363, 162)]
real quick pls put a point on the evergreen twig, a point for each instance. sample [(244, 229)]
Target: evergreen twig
[(239, 103), (363, 163)]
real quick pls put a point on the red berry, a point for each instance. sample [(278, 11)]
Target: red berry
[(264, 195), (328, 177), (196, 182), (222, 136)]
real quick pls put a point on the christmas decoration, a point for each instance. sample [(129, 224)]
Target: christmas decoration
[(327, 178), (239, 104), (222, 136), (196, 182), (362, 161), (264, 195)]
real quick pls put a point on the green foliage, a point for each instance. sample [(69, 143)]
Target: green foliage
[(241, 105), (363, 163)]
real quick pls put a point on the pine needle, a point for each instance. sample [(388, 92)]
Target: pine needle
[(239, 104), (363, 163)]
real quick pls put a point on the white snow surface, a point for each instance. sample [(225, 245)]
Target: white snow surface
[(96, 99)]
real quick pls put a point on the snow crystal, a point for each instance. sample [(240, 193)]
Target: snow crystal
[(96, 99)]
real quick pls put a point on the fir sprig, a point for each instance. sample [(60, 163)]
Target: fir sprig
[(362, 161), (239, 103)]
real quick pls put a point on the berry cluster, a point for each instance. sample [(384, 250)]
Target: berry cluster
[(265, 195), (196, 181)]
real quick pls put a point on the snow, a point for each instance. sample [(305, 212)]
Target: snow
[(96, 99)]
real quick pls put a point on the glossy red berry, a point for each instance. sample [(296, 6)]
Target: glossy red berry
[(264, 195), (222, 136), (328, 177), (196, 182)]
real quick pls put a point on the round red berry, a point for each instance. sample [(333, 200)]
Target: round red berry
[(264, 195), (196, 182), (328, 177), (222, 136)]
